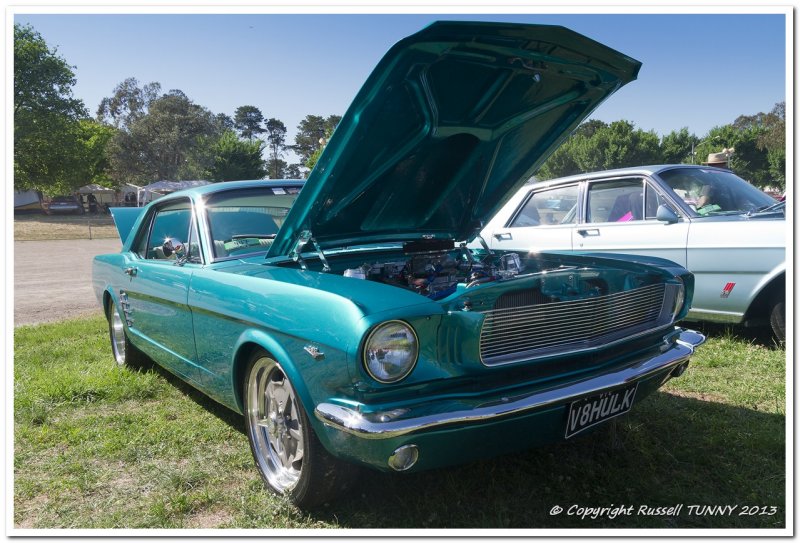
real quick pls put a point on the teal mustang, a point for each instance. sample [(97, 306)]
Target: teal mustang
[(346, 319)]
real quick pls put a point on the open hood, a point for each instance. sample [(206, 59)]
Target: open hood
[(449, 124)]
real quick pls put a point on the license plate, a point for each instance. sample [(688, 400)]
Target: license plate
[(593, 410)]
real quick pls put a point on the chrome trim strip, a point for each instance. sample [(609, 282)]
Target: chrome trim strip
[(715, 316), (384, 425)]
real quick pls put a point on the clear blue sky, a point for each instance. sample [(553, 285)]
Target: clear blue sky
[(699, 71)]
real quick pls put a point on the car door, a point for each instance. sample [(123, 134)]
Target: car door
[(158, 286), (542, 221), (620, 217)]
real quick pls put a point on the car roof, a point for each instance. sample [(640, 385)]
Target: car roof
[(633, 170), (229, 185)]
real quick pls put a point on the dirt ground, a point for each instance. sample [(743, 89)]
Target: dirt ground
[(49, 227), (53, 279)]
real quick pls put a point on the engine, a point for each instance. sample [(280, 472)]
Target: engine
[(436, 275)]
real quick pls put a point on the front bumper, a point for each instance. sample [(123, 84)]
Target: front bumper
[(542, 410)]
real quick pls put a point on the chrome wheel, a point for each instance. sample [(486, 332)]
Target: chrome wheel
[(117, 330), (274, 422)]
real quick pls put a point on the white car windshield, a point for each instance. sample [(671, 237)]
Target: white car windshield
[(715, 192)]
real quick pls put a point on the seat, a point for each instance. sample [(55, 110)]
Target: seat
[(621, 210)]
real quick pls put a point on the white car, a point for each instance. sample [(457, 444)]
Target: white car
[(728, 233)]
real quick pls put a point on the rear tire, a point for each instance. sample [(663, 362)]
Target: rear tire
[(125, 354), (287, 452), (777, 318)]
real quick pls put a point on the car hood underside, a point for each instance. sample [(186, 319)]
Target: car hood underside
[(451, 121)]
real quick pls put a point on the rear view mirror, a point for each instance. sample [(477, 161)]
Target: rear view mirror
[(665, 214)]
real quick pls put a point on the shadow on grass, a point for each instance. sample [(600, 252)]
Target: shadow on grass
[(670, 450), (761, 335), (228, 416)]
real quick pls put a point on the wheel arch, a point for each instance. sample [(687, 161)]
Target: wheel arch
[(772, 286), (108, 298), (255, 340)]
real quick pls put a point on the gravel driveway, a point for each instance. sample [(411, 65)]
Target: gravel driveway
[(53, 279)]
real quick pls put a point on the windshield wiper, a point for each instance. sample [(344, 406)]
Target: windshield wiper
[(256, 236), (763, 209)]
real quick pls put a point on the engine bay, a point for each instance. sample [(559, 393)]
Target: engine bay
[(436, 274)]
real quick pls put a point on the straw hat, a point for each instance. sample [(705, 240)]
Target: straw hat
[(715, 159)]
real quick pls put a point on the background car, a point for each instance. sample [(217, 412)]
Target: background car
[(65, 205), (348, 322), (725, 231)]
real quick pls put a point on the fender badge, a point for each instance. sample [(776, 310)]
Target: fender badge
[(315, 353), (727, 290)]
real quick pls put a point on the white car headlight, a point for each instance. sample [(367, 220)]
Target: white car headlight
[(390, 351)]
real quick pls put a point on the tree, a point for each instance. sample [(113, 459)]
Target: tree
[(276, 140), (294, 171), (224, 122), (310, 131), (247, 120), (601, 147), (747, 160), (128, 103), (276, 168), (588, 128), (676, 147), (173, 140), (770, 130), (236, 159), (95, 164), (47, 143)]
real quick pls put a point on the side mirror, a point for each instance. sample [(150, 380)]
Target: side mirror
[(171, 246), (665, 214)]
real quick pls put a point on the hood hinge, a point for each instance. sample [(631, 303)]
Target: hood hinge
[(303, 239)]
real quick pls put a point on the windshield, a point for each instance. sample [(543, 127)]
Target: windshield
[(715, 192), (245, 221)]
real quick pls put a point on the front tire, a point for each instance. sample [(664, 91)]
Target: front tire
[(287, 452)]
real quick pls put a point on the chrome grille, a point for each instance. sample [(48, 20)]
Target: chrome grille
[(513, 333)]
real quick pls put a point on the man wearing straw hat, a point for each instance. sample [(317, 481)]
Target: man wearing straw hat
[(717, 160)]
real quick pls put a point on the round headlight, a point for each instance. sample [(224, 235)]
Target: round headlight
[(680, 297), (390, 351)]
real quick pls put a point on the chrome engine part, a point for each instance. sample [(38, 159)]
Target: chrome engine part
[(436, 275)]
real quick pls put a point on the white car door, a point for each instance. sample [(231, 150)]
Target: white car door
[(539, 220), (620, 217)]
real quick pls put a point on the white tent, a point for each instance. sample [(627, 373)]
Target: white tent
[(172, 186), (95, 189), (29, 200)]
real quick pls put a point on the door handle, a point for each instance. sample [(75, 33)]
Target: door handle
[(589, 232), (132, 271), (503, 236)]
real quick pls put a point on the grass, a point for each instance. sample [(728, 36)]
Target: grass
[(101, 447), (37, 227)]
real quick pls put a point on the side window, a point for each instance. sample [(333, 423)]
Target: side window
[(171, 222), (550, 206), (616, 201), (652, 199), (143, 236)]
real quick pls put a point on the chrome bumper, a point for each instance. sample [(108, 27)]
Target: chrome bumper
[(398, 422)]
